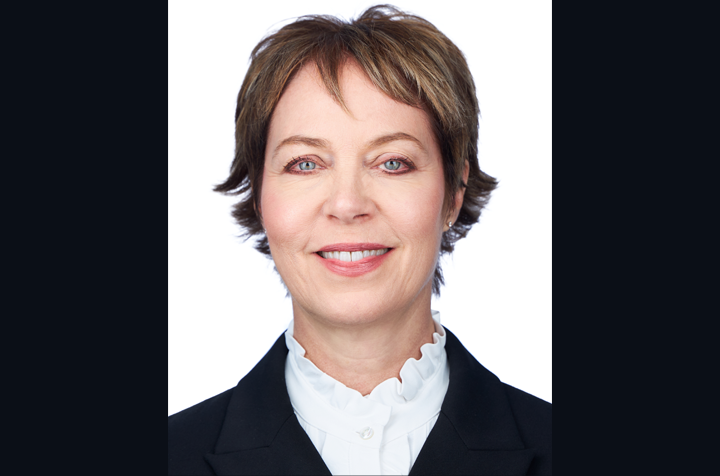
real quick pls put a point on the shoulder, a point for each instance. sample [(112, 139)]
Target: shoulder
[(486, 412), (244, 417), (533, 417), (192, 433)]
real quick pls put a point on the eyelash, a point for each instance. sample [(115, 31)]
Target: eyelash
[(289, 168), (403, 160), (294, 162)]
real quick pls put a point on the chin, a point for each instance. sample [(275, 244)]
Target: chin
[(352, 308)]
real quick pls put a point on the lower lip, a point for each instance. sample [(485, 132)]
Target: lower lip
[(354, 268)]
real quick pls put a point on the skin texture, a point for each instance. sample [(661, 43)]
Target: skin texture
[(358, 329)]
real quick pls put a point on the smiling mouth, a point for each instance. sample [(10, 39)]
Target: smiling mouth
[(349, 256)]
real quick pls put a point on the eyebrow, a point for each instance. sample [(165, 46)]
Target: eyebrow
[(392, 138), (311, 141), (323, 144)]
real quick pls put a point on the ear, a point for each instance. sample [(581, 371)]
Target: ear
[(458, 198)]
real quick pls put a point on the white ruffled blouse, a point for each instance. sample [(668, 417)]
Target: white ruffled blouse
[(381, 433)]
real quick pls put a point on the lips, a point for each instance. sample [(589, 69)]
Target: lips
[(353, 259)]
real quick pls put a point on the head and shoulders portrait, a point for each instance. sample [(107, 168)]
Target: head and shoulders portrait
[(359, 240)]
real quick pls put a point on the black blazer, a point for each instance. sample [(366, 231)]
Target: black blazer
[(484, 427)]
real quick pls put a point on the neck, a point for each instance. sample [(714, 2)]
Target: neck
[(363, 355)]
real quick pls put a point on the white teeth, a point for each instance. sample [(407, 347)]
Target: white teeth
[(352, 256)]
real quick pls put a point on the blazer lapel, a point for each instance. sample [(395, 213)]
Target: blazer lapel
[(475, 432), (260, 434)]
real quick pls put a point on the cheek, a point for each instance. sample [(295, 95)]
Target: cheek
[(417, 214), (286, 218)]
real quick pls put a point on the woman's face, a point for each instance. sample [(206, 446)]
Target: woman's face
[(333, 182)]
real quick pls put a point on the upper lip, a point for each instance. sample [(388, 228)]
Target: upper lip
[(352, 247)]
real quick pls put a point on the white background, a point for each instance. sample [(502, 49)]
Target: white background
[(226, 306)]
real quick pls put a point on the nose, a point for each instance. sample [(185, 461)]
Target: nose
[(349, 199)]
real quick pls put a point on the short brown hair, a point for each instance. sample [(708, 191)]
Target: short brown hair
[(407, 58)]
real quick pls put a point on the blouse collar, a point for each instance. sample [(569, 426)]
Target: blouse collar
[(414, 374)]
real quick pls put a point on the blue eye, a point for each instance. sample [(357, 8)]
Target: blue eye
[(307, 165), (393, 164)]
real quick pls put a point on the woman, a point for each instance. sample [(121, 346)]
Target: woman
[(356, 152)]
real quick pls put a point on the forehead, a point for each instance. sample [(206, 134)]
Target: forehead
[(307, 108)]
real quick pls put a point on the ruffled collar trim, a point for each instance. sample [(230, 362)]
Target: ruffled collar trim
[(413, 375)]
